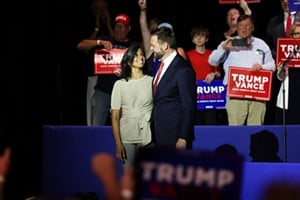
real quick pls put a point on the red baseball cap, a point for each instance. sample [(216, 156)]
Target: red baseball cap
[(123, 19)]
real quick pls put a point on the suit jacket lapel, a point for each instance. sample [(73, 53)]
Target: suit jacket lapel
[(167, 75)]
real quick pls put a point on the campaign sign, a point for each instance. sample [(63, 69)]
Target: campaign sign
[(237, 2), (288, 51), (211, 96), (108, 62), (294, 5), (245, 83), (169, 174)]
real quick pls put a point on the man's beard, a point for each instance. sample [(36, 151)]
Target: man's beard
[(158, 55)]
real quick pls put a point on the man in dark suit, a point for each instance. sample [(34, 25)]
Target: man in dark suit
[(174, 93)]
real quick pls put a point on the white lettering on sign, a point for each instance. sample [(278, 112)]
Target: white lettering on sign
[(249, 81), (290, 50), (185, 175), (210, 89), (108, 59)]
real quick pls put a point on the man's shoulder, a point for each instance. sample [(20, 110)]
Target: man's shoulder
[(182, 63), (276, 19), (179, 58), (258, 40)]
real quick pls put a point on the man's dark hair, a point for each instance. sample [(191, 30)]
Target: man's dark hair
[(244, 17), (200, 31), (167, 35)]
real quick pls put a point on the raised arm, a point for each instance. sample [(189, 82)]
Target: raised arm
[(144, 27), (245, 7)]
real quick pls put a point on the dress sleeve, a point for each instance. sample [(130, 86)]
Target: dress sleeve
[(116, 96)]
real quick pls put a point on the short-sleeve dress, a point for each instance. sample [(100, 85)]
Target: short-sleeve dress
[(135, 100)]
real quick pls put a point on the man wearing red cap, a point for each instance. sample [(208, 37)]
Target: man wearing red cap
[(105, 82)]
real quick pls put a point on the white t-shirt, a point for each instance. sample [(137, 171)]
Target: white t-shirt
[(279, 103)]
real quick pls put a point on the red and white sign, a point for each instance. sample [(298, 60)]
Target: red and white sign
[(108, 62), (247, 84), (237, 2), (288, 50)]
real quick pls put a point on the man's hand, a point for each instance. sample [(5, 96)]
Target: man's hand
[(106, 44), (256, 67), (227, 44), (142, 4), (210, 77), (281, 74)]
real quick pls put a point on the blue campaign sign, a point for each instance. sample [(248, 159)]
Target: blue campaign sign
[(169, 174), (211, 96), (294, 5)]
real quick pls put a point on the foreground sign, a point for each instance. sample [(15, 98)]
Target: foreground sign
[(247, 84), (211, 96), (288, 51), (169, 174), (108, 62)]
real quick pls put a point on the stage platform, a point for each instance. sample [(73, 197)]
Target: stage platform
[(68, 150)]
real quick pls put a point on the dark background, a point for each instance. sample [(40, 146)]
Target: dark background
[(43, 79)]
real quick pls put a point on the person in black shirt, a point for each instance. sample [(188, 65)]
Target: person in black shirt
[(100, 26), (103, 88)]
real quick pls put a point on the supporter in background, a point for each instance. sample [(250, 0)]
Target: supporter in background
[(101, 13), (102, 27), (216, 38), (231, 21), (198, 57), (291, 117), (277, 27), (103, 88), (153, 24), (244, 111)]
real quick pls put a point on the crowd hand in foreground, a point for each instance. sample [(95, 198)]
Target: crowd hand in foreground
[(104, 167)]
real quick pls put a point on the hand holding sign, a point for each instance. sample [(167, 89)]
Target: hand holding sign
[(106, 44), (256, 67)]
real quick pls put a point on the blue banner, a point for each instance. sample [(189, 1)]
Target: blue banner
[(211, 96), (294, 5)]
